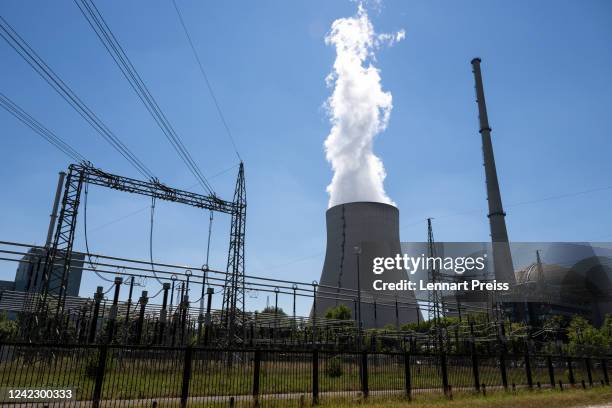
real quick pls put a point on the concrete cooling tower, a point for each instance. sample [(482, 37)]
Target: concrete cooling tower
[(374, 229)]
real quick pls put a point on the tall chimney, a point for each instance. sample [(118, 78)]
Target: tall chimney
[(502, 259), (58, 194)]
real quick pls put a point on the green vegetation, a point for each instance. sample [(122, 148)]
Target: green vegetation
[(586, 339), (340, 312), (576, 336), (8, 328), (532, 399), (333, 368), (535, 399), (271, 310)]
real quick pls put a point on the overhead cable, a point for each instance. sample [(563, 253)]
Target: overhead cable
[(87, 240), (42, 68), (116, 51), (39, 128), (206, 81)]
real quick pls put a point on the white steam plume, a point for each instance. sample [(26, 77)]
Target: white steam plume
[(358, 109)]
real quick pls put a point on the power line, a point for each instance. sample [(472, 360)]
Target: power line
[(556, 197), (205, 76), (95, 270), (151, 239), (116, 51), (560, 196), (517, 204), (39, 128), (42, 68), (290, 262)]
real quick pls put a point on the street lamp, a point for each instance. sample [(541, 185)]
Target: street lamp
[(359, 322)]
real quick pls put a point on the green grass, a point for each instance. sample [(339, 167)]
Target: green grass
[(574, 398)]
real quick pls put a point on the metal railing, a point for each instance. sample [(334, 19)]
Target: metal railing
[(113, 375)]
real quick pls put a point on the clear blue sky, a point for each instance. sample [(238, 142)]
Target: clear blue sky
[(546, 68)]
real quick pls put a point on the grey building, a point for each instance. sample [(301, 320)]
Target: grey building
[(29, 279), (29, 276), (6, 285)]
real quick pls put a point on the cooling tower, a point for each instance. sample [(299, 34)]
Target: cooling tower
[(374, 229)]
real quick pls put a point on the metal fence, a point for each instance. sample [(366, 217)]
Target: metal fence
[(122, 376)]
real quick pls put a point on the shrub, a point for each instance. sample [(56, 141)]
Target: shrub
[(8, 328), (340, 312), (333, 368), (92, 363)]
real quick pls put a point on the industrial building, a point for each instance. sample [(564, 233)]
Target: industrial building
[(552, 279), (29, 279)]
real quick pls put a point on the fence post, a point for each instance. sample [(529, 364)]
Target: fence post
[(102, 352), (314, 314), (570, 369), (444, 372), (604, 367), (256, 370), (551, 372), (186, 377), (315, 376), (502, 369), (587, 363), (528, 370), (407, 379), (364, 374), (475, 368)]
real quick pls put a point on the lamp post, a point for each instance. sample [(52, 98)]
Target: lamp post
[(359, 322), (276, 290)]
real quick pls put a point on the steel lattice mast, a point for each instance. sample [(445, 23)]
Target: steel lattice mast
[(59, 256), (435, 297), (435, 300), (233, 291)]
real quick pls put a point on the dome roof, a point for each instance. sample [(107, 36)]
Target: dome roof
[(590, 277)]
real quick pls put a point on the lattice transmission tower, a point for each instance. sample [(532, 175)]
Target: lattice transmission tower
[(434, 296), (233, 291)]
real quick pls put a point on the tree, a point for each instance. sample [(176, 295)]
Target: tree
[(340, 312), (272, 310), (586, 339), (427, 325), (606, 328), (8, 328)]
